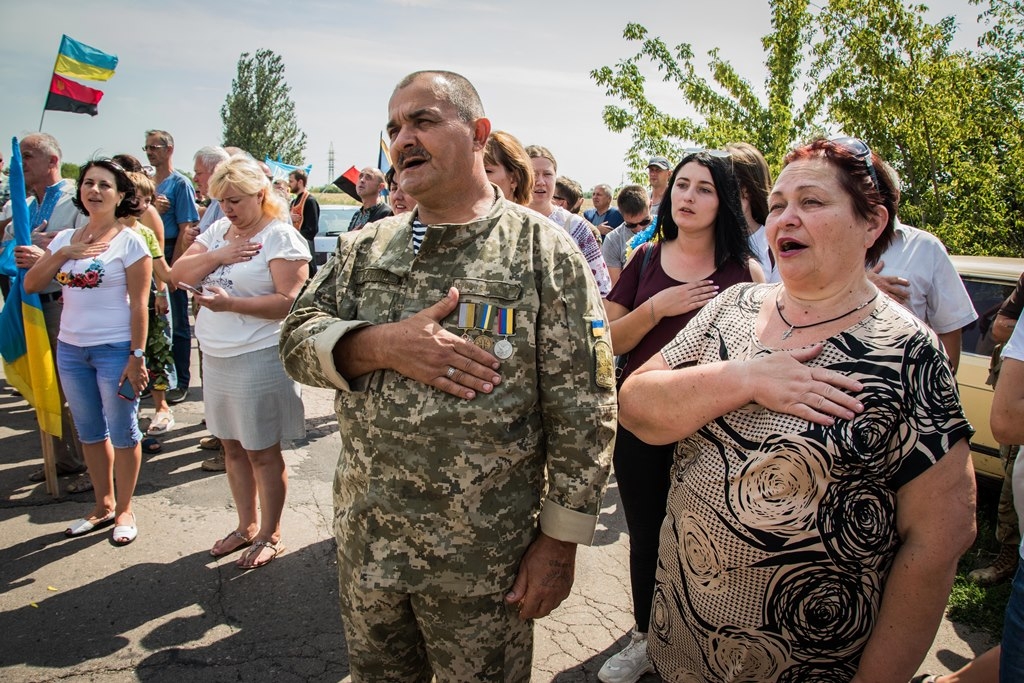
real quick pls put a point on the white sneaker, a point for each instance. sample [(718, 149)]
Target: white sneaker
[(629, 664)]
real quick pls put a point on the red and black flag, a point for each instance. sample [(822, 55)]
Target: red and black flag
[(66, 95), (346, 182)]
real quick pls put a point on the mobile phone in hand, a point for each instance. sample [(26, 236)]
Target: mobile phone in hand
[(126, 390), (189, 288)]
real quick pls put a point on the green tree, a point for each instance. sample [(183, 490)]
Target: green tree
[(69, 170), (948, 121), (885, 74), (259, 114), (729, 110)]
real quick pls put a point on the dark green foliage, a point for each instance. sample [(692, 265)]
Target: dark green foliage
[(259, 114)]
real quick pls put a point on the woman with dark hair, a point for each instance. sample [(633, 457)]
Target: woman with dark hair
[(509, 167), (104, 269), (701, 247), (755, 181), (818, 425)]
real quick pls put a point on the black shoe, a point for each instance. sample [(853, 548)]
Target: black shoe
[(176, 396)]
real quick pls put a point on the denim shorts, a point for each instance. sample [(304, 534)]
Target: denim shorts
[(90, 376), (1011, 662)]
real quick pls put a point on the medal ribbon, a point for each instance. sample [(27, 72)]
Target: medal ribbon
[(506, 322), (485, 316), (467, 316)]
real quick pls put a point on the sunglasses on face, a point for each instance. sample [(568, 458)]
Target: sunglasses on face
[(860, 150), (153, 148), (642, 224)]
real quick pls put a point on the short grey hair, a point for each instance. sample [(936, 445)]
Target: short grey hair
[(210, 156), (605, 186), (453, 88), (45, 143)]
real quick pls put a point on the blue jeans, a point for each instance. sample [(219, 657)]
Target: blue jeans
[(181, 336), (90, 376), (1011, 661)]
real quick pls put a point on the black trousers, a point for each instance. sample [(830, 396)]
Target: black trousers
[(643, 475)]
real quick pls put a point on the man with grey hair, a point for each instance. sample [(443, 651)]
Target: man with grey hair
[(604, 216), (50, 211), (176, 202), (460, 493), (204, 163)]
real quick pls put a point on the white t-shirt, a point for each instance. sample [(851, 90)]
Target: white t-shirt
[(759, 245), (224, 334), (1015, 349), (937, 294), (95, 291)]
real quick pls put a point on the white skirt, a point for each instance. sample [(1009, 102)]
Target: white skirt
[(249, 398)]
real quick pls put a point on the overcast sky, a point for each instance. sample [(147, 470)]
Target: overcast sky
[(529, 59)]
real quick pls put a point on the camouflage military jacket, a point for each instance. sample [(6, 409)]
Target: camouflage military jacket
[(433, 492)]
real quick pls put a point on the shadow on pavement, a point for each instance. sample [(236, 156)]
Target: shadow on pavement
[(213, 622)]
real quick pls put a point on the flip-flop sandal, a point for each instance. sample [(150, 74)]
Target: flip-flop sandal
[(245, 543), (254, 552), (151, 445)]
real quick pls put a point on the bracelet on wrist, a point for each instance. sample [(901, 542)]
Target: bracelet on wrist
[(161, 293)]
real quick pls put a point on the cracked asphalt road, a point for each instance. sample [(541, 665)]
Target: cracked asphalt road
[(161, 609)]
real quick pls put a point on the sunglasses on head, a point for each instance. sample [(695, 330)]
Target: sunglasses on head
[(859, 149), (642, 224), (717, 153)]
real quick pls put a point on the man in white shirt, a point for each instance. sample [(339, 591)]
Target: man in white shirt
[(916, 271)]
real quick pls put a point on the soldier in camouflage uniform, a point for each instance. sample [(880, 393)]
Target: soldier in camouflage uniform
[(476, 407)]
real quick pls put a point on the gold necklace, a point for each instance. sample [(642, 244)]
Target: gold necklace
[(787, 333)]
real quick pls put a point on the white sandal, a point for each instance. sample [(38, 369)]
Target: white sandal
[(125, 533), (162, 423)]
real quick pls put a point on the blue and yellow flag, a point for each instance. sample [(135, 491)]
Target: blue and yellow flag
[(24, 345), (78, 60), (384, 156)]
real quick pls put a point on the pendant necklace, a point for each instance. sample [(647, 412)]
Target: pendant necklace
[(787, 333)]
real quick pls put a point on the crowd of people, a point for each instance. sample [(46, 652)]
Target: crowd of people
[(767, 368)]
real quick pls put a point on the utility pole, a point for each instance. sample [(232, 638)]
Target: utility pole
[(330, 163)]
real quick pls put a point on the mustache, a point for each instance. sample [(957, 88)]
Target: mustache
[(412, 152)]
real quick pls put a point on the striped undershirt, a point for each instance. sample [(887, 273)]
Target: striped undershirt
[(418, 232)]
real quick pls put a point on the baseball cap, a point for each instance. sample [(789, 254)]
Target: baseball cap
[(660, 162)]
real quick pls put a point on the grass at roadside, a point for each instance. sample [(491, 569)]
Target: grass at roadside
[(970, 604), (334, 198)]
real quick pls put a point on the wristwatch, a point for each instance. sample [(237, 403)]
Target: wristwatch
[(138, 353)]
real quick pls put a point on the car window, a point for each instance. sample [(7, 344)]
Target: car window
[(987, 297), (335, 219)]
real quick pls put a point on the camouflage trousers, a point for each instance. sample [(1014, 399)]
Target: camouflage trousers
[(1007, 530), (403, 637)]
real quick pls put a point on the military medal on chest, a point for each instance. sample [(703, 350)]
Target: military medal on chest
[(484, 320), (504, 327)]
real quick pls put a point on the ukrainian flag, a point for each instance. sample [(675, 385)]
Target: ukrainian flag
[(78, 60), (383, 155), (24, 345)]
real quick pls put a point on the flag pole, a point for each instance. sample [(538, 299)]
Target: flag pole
[(55, 61)]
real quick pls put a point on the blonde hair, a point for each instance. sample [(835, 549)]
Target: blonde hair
[(244, 175)]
